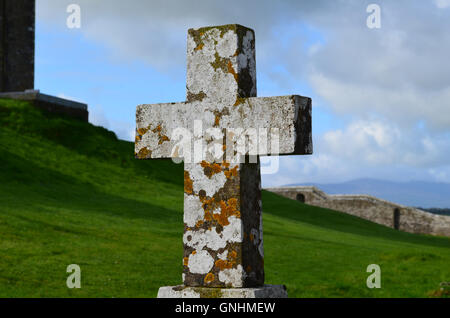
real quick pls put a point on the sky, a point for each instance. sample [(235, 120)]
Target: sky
[(381, 96)]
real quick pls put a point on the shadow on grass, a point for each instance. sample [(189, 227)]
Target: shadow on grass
[(26, 184)]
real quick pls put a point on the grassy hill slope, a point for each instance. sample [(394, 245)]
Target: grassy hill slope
[(71, 193)]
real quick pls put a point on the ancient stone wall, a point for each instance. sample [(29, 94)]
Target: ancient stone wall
[(373, 209), (17, 24), (51, 104)]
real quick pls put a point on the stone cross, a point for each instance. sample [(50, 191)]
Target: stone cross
[(223, 243)]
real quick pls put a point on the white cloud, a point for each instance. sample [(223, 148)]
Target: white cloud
[(98, 117), (379, 143), (64, 96), (123, 130), (442, 4), (441, 174), (402, 105)]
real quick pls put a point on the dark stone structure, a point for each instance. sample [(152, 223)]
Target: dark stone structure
[(17, 32), (51, 103), (17, 25)]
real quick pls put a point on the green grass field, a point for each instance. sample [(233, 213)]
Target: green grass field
[(72, 193)]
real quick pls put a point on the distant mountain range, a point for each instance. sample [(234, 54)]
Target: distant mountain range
[(413, 193)]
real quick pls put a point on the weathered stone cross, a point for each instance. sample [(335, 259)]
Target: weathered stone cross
[(223, 243)]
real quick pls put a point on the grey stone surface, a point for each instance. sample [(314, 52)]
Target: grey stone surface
[(266, 291), (223, 241), (373, 209), (17, 28)]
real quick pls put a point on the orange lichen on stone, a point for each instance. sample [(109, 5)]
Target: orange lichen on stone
[(188, 184), (162, 139), (210, 169), (232, 172), (239, 100), (233, 255), (199, 47), (142, 131), (144, 153), (209, 278), (226, 210), (194, 252), (157, 129), (223, 264), (208, 207), (216, 168), (217, 120), (230, 262), (185, 261), (232, 71), (199, 223)]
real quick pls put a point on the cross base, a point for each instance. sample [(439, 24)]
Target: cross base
[(181, 291)]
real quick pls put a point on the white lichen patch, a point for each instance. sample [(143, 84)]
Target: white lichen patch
[(223, 256), (202, 76), (193, 210), (232, 233), (232, 276), (203, 182), (201, 262), (217, 210), (227, 44), (204, 238)]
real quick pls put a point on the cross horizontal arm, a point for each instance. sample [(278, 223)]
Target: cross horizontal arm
[(282, 126)]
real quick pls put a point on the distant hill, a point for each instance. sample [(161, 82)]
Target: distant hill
[(72, 193), (436, 210), (412, 193)]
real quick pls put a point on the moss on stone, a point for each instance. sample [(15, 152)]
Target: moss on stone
[(195, 97), (209, 292), (220, 63)]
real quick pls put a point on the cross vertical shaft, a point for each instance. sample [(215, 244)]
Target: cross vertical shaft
[(222, 201)]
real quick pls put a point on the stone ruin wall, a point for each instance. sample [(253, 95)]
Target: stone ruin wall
[(17, 50), (17, 24), (373, 209)]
